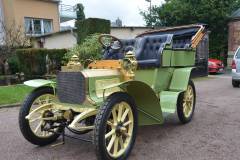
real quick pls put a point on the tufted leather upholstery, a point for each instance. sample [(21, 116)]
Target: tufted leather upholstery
[(150, 48), (183, 43), (127, 43)]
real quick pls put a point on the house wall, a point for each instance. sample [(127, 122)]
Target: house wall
[(16, 10), (1, 21), (59, 41), (128, 32), (233, 39)]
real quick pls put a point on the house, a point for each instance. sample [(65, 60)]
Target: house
[(233, 35), (68, 38), (37, 17)]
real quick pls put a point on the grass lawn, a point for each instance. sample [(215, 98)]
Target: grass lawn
[(13, 94)]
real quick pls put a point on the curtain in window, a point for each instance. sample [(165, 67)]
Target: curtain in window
[(37, 26), (28, 25), (47, 25)]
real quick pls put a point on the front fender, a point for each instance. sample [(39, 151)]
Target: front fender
[(148, 105), (36, 83)]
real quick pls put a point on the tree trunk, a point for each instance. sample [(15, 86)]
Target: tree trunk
[(6, 68)]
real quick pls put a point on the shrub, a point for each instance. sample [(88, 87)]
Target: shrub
[(33, 61), (91, 26), (90, 49), (13, 64)]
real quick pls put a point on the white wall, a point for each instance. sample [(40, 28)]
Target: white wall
[(57, 41), (60, 41), (127, 32)]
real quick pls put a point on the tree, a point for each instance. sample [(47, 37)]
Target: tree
[(80, 12), (215, 13), (13, 37)]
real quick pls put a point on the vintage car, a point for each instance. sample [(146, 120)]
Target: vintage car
[(138, 82), (215, 66)]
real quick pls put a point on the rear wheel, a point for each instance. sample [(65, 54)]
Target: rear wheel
[(32, 129), (186, 103), (115, 127), (235, 84)]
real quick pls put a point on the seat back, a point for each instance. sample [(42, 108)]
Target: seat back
[(181, 43), (126, 44), (150, 48)]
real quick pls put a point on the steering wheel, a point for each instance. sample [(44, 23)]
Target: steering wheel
[(108, 41)]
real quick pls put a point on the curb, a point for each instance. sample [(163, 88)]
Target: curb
[(10, 105)]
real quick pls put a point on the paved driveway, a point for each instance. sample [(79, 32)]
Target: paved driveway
[(214, 133)]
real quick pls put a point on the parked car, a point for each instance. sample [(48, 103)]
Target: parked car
[(236, 69), (137, 83), (215, 66)]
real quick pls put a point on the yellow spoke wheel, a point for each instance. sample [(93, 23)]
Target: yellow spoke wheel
[(115, 127), (32, 129), (36, 122), (186, 103)]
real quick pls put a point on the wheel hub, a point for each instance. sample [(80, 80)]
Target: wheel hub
[(119, 130)]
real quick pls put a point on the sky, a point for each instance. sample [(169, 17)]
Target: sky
[(126, 10)]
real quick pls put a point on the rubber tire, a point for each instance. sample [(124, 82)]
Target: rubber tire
[(100, 124), (180, 113), (235, 84), (24, 124)]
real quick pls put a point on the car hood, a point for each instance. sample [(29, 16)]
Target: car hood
[(214, 60)]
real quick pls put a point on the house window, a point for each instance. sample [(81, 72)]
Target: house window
[(35, 26)]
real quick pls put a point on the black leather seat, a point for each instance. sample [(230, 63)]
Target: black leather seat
[(150, 48), (127, 43), (182, 43)]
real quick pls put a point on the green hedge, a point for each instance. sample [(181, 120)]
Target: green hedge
[(90, 49), (91, 26), (33, 61)]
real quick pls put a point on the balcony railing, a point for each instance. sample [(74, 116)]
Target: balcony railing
[(67, 12)]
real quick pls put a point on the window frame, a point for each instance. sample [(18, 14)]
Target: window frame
[(41, 23)]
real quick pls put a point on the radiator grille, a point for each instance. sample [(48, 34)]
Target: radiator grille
[(71, 87)]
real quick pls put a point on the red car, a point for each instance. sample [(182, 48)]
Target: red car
[(215, 66)]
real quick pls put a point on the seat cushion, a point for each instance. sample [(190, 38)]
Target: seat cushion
[(148, 63)]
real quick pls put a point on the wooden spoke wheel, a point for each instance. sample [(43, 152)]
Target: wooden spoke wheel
[(115, 127), (186, 103), (32, 128)]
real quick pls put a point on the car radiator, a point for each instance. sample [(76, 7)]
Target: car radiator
[(71, 87)]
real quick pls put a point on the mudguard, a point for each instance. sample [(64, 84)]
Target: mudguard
[(148, 105), (40, 83)]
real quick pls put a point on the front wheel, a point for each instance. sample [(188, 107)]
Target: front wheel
[(235, 84), (186, 103), (32, 129), (116, 127)]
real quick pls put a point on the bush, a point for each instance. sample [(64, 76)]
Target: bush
[(33, 61), (13, 64), (91, 26), (90, 49)]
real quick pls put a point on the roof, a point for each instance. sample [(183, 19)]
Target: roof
[(194, 27), (54, 1), (55, 33), (131, 27)]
